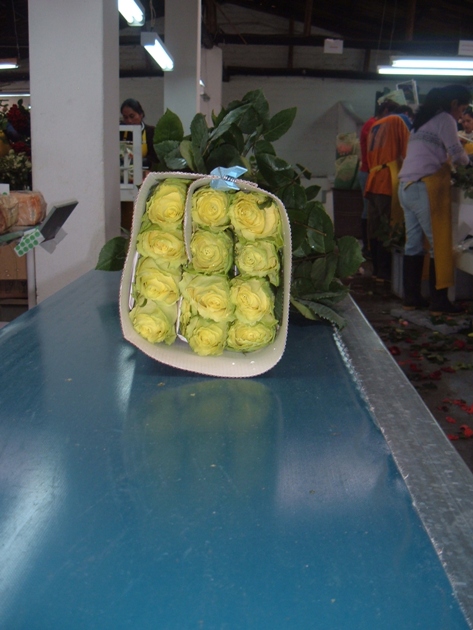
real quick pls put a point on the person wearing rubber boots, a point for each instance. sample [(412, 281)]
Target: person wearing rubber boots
[(424, 193)]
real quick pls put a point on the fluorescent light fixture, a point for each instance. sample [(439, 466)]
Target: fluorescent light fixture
[(431, 66), (13, 94), (432, 62), (132, 11), (6, 64), (445, 72), (157, 50)]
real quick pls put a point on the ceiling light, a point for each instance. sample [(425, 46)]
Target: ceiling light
[(6, 64), (446, 72), (132, 11), (157, 50), (432, 62)]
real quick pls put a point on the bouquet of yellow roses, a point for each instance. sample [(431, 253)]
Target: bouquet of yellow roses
[(201, 274)]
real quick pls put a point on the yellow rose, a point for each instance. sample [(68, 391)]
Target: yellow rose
[(254, 215), (167, 248), (247, 338), (156, 284), (253, 300), (211, 252), (185, 314), (210, 207), (155, 323), (165, 207), (206, 338), (209, 296), (259, 258)]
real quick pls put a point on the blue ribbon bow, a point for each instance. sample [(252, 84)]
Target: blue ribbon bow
[(226, 177)]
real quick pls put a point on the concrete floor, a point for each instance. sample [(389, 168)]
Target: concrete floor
[(436, 354)]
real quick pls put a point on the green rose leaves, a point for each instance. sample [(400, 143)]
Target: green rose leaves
[(222, 298)]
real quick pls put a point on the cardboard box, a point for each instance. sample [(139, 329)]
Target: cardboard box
[(12, 267)]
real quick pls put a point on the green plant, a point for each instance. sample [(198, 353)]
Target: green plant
[(15, 145), (462, 178), (243, 134), (15, 169)]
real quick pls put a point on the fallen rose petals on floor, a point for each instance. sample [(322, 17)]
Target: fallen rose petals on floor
[(435, 354)]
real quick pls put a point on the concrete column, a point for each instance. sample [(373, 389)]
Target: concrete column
[(182, 32), (74, 76), (211, 75)]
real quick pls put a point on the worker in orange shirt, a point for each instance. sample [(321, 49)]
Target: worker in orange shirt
[(386, 149)]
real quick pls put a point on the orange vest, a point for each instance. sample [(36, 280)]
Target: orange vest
[(387, 145)]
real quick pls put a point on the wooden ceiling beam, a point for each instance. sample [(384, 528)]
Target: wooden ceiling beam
[(410, 20), (308, 17)]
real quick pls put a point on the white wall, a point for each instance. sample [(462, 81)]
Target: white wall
[(311, 140), (182, 25), (74, 91)]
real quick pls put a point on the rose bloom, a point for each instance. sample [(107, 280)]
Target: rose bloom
[(254, 215), (155, 323), (211, 252), (259, 258), (165, 207), (166, 248), (206, 338), (209, 296), (185, 314), (210, 207), (249, 337), (156, 284), (253, 300)]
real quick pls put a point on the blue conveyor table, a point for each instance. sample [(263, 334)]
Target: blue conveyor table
[(138, 496)]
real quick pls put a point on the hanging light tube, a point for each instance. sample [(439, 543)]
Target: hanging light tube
[(132, 11), (445, 72), (455, 63), (155, 47), (7, 64)]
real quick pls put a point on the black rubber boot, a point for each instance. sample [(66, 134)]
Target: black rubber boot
[(439, 302), (384, 259), (412, 282), (374, 256), (364, 239)]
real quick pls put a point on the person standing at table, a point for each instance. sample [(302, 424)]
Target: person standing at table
[(424, 192), (466, 132), (466, 123), (362, 178), (384, 109), (386, 148), (133, 114)]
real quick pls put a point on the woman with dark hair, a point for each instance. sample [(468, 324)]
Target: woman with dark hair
[(133, 114), (466, 132), (424, 193), (466, 122)]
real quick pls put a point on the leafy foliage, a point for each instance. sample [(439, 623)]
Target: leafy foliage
[(463, 179), (113, 254), (242, 134)]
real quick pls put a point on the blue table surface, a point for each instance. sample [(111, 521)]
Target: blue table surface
[(134, 495)]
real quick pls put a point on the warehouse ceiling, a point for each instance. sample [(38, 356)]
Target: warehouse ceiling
[(375, 21), (409, 26)]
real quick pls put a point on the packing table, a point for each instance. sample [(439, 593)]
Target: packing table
[(320, 495)]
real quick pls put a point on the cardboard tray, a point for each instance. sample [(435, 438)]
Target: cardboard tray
[(179, 354)]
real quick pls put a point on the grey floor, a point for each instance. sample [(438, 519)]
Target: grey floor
[(443, 397)]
